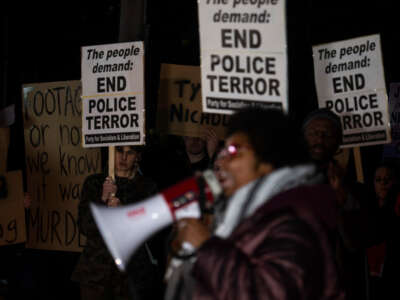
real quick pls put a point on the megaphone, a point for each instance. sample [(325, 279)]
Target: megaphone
[(125, 228)]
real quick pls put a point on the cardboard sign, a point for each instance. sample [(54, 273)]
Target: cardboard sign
[(243, 55), (392, 150), (4, 143), (56, 163), (179, 108), (113, 94), (350, 81), (12, 212)]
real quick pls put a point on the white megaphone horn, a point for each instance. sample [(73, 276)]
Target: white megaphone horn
[(125, 228)]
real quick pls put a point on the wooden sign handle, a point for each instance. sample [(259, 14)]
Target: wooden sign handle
[(4, 143), (111, 162), (358, 163)]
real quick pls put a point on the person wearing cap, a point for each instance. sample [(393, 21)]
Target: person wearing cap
[(96, 271), (272, 240), (323, 135)]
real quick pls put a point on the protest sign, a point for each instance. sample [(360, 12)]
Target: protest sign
[(56, 163), (350, 81), (4, 143), (243, 54), (392, 150), (12, 212), (113, 94), (179, 108)]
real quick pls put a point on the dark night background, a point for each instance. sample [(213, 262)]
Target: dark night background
[(41, 42)]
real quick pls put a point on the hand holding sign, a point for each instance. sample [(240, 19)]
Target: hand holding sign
[(109, 190), (113, 202)]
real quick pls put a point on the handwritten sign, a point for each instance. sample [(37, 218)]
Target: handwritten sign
[(179, 104), (56, 163), (4, 143), (12, 212)]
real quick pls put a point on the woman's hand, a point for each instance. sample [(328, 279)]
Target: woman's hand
[(193, 231)]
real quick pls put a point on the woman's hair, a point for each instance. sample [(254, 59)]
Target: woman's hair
[(271, 134)]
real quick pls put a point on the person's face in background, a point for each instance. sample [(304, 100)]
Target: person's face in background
[(383, 182), (322, 140), (125, 160), (194, 145), (239, 164)]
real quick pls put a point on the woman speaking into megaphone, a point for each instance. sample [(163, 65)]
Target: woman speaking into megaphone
[(96, 270), (272, 239)]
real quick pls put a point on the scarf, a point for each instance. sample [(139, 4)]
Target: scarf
[(274, 183)]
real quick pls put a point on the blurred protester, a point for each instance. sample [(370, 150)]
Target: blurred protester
[(96, 271), (201, 151), (385, 179), (17, 274), (173, 158), (383, 258), (323, 134), (201, 154), (272, 241)]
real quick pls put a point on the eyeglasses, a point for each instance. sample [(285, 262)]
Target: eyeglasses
[(231, 151)]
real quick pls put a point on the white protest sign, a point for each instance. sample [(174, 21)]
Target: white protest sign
[(113, 94), (243, 54), (393, 149), (350, 81)]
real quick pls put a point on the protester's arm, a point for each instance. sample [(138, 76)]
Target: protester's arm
[(91, 192), (356, 219), (281, 261)]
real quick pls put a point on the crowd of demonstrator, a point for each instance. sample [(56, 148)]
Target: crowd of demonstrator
[(291, 223)]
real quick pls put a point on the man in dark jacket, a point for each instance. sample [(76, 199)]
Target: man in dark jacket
[(96, 271), (273, 241), (357, 215)]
